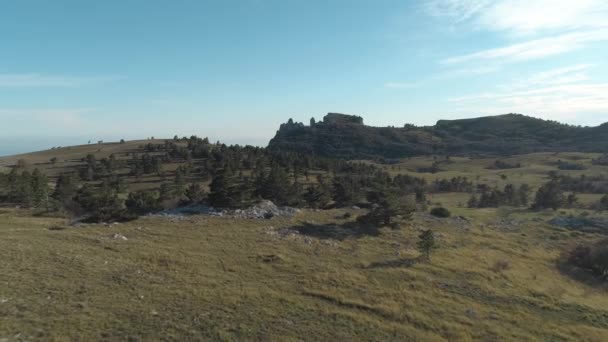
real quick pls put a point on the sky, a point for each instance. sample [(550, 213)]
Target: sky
[(233, 70)]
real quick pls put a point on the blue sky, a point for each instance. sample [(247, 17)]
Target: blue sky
[(233, 70)]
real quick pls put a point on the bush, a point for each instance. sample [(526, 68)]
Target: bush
[(501, 265), (550, 196), (592, 258), (142, 202), (562, 165), (440, 212)]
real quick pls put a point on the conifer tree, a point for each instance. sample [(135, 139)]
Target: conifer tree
[(426, 243), (318, 195), (604, 202), (550, 195), (40, 189), (277, 186), (180, 182), (388, 210), (224, 192), (195, 193)]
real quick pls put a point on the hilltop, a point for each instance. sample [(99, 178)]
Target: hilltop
[(342, 135)]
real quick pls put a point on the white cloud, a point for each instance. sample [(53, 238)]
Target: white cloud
[(550, 27), (534, 49), (30, 80), (562, 93), (523, 17), (457, 10)]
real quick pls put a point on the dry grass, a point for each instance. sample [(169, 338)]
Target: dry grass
[(208, 278), (226, 279)]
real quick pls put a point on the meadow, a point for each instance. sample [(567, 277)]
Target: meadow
[(494, 276)]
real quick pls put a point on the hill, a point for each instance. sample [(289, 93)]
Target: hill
[(346, 136), (499, 269)]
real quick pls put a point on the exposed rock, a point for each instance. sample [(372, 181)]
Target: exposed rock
[(264, 210), (586, 224), (119, 236)]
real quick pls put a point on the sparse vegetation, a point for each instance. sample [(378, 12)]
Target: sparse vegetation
[(592, 258), (440, 212), (339, 270), (426, 243), (549, 196)]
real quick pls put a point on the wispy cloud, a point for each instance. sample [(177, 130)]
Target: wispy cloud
[(547, 27), (457, 10), (534, 49), (562, 93), (33, 80), (523, 17)]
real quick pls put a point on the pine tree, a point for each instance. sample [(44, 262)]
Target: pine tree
[(142, 202), (25, 193), (389, 210), (344, 193), (277, 186), (180, 182), (550, 195), (166, 191), (40, 189), (319, 195), (426, 243), (420, 195), (224, 192), (66, 188), (571, 200), (473, 201), (524, 194), (510, 196), (604, 202), (195, 193)]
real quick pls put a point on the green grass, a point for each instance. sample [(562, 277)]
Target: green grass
[(226, 279)]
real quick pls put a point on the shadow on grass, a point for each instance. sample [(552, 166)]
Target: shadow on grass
[(403, 262), (581, 275), (336, 232)]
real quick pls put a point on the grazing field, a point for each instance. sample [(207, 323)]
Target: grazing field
[(302, 278), (497, 273)]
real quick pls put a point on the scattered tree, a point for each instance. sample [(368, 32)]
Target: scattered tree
[(426, 243), (550, 195)]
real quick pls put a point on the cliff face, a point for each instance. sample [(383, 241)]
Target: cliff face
[(345, 136)]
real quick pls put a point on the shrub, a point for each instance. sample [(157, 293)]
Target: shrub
[(501, 265), (142, 202), (426, 243), (550, 196), (440, 212), (562, 165), (592, 258)]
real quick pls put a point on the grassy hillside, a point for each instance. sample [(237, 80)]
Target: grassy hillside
[(495, 273), (70, 159), (229, 279)]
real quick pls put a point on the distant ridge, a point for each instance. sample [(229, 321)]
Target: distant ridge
[(346, 136)]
